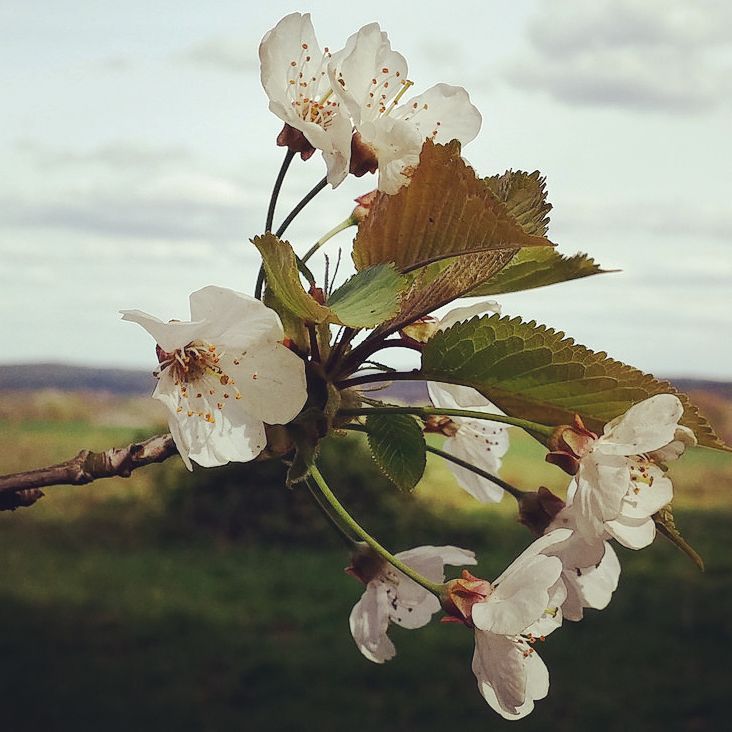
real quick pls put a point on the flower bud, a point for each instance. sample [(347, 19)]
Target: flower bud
[(366, 564), (568, 443), (363, 209), (440, 425), (537, 510), (461, 594)]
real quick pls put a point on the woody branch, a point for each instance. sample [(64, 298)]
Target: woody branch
[(23, 489)]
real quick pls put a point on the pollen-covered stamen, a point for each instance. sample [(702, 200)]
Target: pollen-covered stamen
[(640, 476), (203, 386), (308, 90)]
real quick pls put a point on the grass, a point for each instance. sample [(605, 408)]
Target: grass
[(109, 623)]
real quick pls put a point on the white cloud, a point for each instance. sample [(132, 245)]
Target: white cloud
[(666, 55)]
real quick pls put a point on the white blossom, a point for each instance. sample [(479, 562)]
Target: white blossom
[(476, 441), (392, 597), (522, 607), (370, 79), (223, 374), (617, 488), (294, 77)]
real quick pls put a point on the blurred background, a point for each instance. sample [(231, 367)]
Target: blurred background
[(138, 156)]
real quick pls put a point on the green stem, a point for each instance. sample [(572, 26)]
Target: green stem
[(350, 542), (289, 155), (533, 427), (347, 223), (511, 489), (348, 520), (301, 205)]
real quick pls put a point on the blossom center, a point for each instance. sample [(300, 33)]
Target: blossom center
[(203, 386), (309, 96)]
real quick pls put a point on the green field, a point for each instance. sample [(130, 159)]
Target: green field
[(120, 614)]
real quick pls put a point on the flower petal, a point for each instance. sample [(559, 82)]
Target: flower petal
[(271, 381), (369, 621), (508, 680), (442, 113), (632, 533), (169, 336), (483, 447), (520, 599), (234, 320), (646, 426), (366, 75), (459, 315), (229, 434)]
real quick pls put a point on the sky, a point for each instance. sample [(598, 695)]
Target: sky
[(138, 155)]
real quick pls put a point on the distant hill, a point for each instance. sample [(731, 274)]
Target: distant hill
[(27, 377), (24, 377)]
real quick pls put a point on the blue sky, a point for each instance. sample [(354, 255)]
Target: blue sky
[(138, 154)]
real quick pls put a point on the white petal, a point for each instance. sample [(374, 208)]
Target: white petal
[(599, 488), (460, 315), (632, 533), (643, 500), (369, 621), (456, 396), (509, 681), (271, 381), (233, 435), (484, 449), (442, 113), (520, 599), (425, 557), (169, 336), (367, 57), (646, 426), (235, 320), (542, 545)]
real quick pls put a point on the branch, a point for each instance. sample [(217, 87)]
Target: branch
[(21, 489)]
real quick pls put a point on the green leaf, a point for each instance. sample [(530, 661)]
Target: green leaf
[(664, 520), (398, 446), (293, 326), (368, 298), (524, 195), (280, 266), (535, 373), (538, 267), (445, 211)]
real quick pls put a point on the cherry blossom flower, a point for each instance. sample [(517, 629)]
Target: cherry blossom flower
[(509, 616), (618, 486), (478, 442), (293, 74), (218, 374), (370, 79), (391, 596)]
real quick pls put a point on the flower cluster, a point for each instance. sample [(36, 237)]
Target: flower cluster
[(570, 568), (239, 367), (348, 104)]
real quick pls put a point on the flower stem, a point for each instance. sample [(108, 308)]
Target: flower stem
[(350, 542), (372, 378), (532, 427), (349, 521), (289, 155), (511, 489), (301, 205), (345, 224)]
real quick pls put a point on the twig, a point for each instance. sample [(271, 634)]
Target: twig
[(84, 468)]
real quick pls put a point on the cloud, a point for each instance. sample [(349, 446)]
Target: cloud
[(643, 55), (118, 155), (222, 54), (177, 206)]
